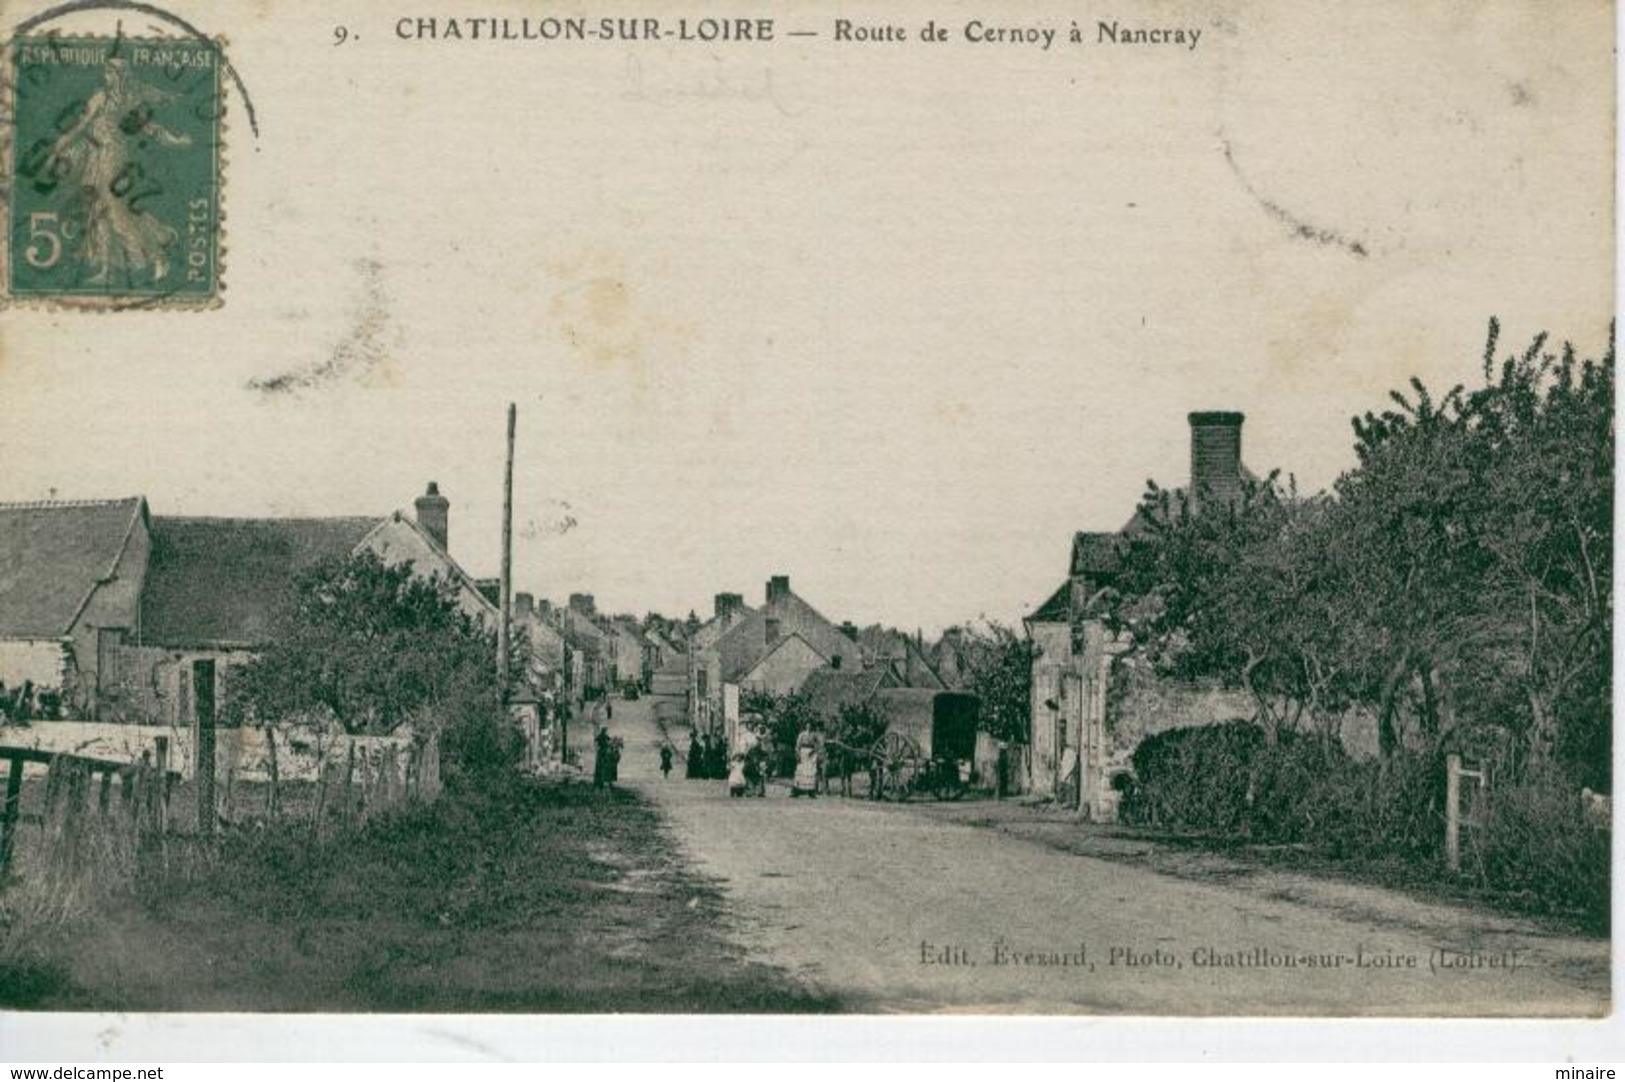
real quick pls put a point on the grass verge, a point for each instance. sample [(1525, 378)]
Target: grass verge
[(524, 898)]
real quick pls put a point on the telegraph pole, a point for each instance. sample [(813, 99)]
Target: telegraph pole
[(506, 589)]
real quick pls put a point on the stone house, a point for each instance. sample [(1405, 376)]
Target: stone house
[(704, 665), (905, 655), (549, 653), (771, 649), (71, 578), (579, 623), (1075, 748), (149, 614)]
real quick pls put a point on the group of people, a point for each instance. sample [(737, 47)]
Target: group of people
[(707, 757), (745, 770)]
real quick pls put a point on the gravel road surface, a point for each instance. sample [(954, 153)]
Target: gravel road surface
[(898, 908)]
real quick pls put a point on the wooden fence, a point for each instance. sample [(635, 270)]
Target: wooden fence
[(148, 798)]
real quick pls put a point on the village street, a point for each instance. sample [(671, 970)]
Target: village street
[(900, 908)]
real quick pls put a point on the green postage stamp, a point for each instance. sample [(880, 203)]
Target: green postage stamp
[(114, 172)]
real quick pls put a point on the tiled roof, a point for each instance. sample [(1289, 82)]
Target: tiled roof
[(710, 632), (744, 645), (52, 555), (222, 580), (828, 690), (1058, 609)]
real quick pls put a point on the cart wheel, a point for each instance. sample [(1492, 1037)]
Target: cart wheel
[(946, 783), (895, 765)]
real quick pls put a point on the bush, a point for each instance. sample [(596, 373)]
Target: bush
[(1227, 778), (1383, 808), (1537, 843), (1535, 849), (1288, 802), (1194, 778), (477, 739)]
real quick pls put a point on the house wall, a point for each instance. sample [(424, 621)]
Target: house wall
[(396, 541), (115, 603), (705, 695), (154, 684), (1143, 706), (42, 662), (785, 669), (987, 765), (1052, 661)]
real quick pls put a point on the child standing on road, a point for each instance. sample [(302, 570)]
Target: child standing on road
[(665, 761)]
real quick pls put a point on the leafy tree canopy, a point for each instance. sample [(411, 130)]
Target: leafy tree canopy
[(368, 644)]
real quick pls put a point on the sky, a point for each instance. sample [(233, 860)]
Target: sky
[(894, 320)]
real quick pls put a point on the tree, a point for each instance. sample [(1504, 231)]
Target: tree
[(369, 646), (1241, 593), (1458, 577), (778, 721), (999, 672), (859, 725)]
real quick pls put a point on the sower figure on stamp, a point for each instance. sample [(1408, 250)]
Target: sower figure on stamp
[(96, 149)]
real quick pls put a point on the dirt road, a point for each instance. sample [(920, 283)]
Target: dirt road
[(894, 908)]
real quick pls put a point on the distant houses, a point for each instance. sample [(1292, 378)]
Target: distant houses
[(785, 646), (111, 613), (128, 616)]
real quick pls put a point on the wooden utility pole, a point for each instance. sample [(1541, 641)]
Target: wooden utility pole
[(506, 588)]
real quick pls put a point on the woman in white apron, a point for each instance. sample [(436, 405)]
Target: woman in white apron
[(808, 746)]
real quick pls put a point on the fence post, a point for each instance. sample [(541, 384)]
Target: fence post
[(1452, 812), (159, 794), (324, 772), (8, 816), (273, 801), (228, 802), (203, 742), (349, 780)]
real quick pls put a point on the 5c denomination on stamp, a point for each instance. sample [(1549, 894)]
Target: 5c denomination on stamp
[(114, 173)]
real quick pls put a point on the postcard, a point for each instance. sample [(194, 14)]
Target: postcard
[(805, 508)]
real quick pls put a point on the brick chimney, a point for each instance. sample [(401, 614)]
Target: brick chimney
[(584, 604), (524, 605), (433, 512), (1215, 459), (777, 587), (727, 604)]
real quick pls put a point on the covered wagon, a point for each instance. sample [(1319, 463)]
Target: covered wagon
[(929, 743)]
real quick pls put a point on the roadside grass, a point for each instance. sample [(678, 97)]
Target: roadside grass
[(1423, 881), (1213, 856), (523, 897)]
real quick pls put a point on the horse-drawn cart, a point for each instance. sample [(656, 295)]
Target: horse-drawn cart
[(928, 745)]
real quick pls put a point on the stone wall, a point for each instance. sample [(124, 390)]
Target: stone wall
[(1141, 705), (300, 750)]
